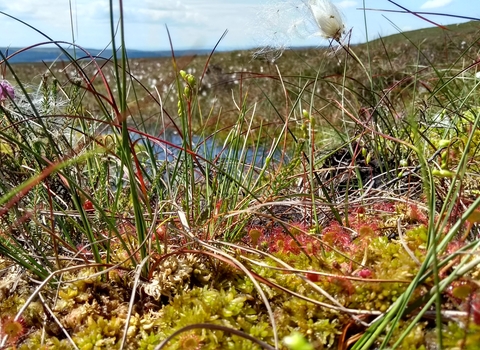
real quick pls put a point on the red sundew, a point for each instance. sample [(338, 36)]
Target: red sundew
[(464, 293), (456, 213), (338, 239), (190, 341), (12, 329), (277, 246), (88, 205), (367, 231), (290, 246), (161, 232), (388, 207), (127, 229), (255, 234), (334, 227), (453, 246), (309, 243), (360, 210), (309, 248), (365, 235), (285, 244), (218, 207), (461, 289), (346, 267), (84, 250), (415, 215), (298, 228), (356, 216), (312, 277), (365, 273), (343, 283), (475, 308), (474, 217), (280, 241)]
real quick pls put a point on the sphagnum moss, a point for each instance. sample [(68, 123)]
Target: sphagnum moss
[(233, 302)]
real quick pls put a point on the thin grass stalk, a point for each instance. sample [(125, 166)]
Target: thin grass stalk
[(185, 158), (311, 164), (299, 144), (125, 141)]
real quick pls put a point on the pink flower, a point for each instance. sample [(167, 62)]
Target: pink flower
[(6, 91)]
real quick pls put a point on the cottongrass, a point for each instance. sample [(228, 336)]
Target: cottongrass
[(283, 24)]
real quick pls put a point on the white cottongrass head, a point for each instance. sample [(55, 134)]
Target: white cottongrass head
[(328, 18), (281, 24)]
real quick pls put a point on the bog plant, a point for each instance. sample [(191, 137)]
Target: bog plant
[(341, 219)]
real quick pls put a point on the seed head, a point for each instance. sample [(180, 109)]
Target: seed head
[(328, 18)]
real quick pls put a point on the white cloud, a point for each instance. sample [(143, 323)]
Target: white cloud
[(28, 9), (155, 11), (192, 23), (346, 4), (169, 6), (432, 4)]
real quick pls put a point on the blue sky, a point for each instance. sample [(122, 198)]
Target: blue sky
[(200, 23)]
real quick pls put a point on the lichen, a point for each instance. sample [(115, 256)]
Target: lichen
[(175, 274)]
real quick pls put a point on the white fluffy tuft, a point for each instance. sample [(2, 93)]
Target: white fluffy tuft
[(328, 18)]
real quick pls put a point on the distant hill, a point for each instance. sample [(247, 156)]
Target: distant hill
[(467, 30), (54, 54)]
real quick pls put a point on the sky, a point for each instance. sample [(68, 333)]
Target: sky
[(200, 23)]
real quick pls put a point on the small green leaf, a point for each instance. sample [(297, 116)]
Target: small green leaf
[(296, 341)]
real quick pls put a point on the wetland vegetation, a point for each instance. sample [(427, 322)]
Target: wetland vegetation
[(327, 199)]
